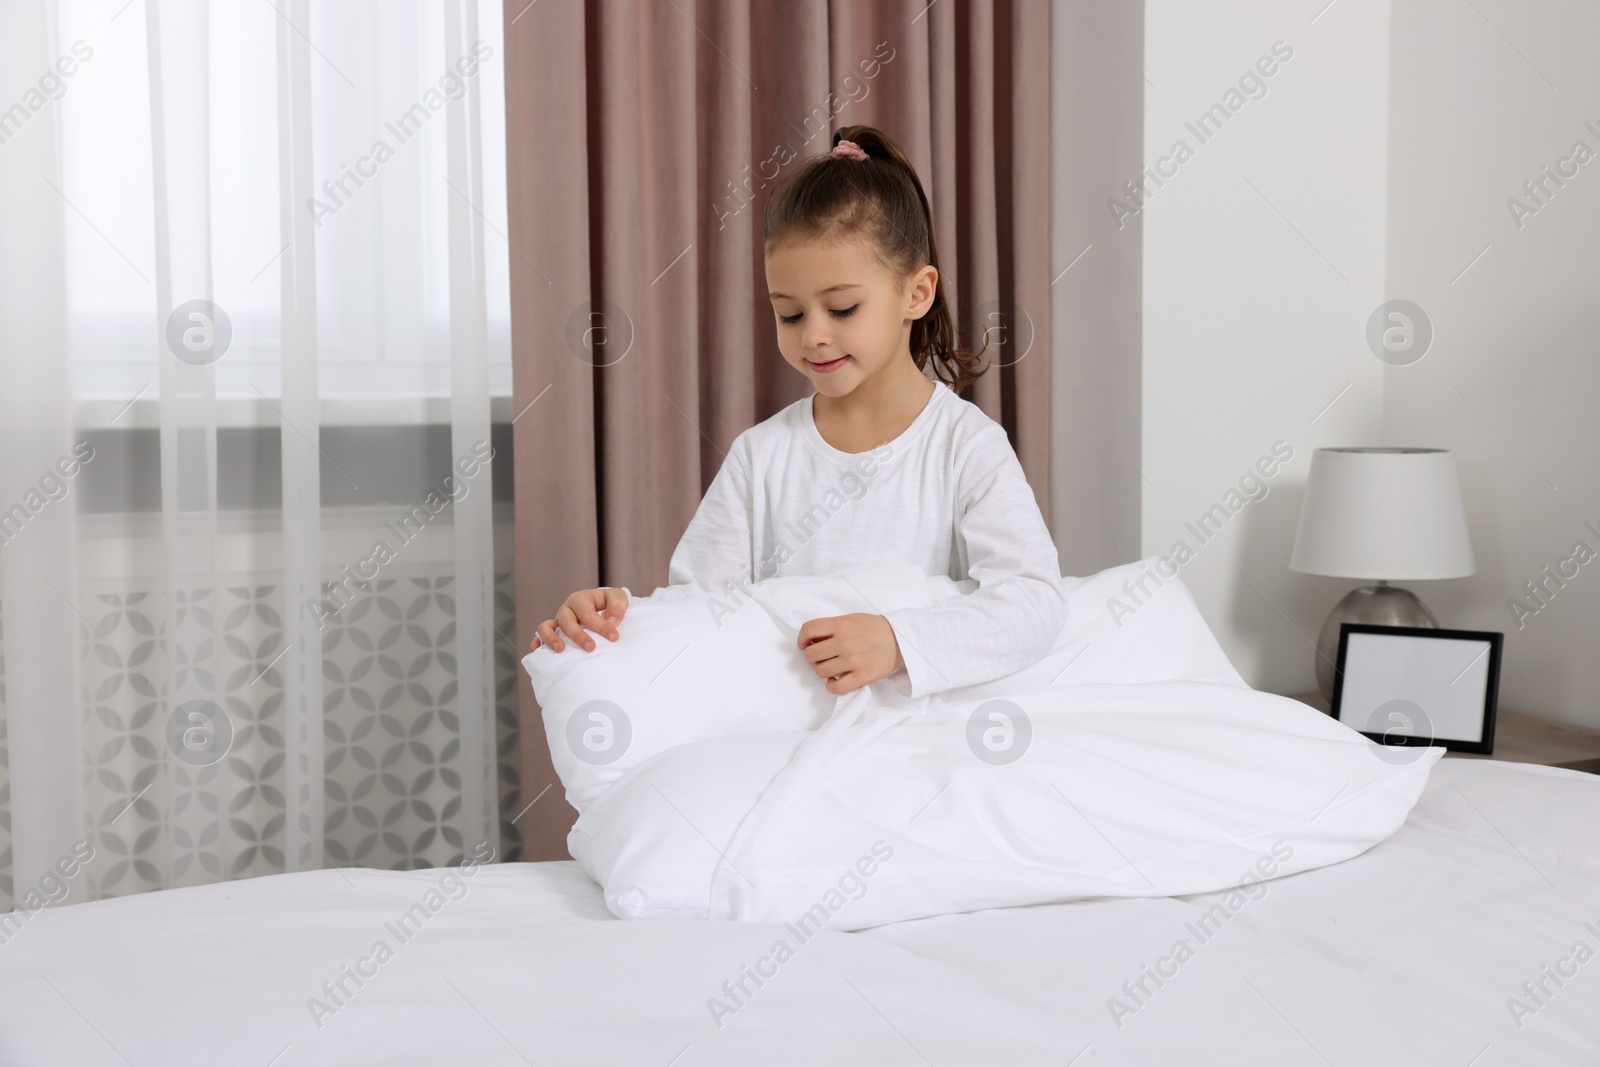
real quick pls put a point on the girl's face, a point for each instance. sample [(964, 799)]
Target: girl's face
[(842, 315)]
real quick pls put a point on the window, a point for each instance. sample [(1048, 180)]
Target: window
[(380, 80)]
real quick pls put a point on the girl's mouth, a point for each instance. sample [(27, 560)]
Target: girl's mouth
[(828, 368)]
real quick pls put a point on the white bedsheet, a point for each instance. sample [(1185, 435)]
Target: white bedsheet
[(1406, 954), (528, 967)]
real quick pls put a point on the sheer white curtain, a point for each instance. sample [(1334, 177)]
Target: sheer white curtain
[(254, 345)]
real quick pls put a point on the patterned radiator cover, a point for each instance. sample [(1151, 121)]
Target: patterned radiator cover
[(391, 736)]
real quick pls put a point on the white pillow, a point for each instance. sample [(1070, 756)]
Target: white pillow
[(1148, 769), (701, 665), (1117, 632)]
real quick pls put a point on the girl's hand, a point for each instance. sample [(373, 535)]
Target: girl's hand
[(850, 651), (582, 609)]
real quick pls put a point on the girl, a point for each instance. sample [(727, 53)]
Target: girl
[(880, 463)]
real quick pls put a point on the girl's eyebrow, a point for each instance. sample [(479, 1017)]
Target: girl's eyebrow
[(829, 289)]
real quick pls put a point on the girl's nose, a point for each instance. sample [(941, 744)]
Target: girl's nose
[(814, 337)]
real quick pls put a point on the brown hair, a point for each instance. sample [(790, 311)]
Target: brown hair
[(879, 198)]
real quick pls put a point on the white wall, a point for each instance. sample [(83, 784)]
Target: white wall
[(1263, 258), (1389, 148), (1512, 381), (1096, 115)]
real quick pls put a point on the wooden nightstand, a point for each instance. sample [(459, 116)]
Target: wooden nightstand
[(1524, 739)]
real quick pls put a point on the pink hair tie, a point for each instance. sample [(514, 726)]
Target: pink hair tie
[(848, 150)]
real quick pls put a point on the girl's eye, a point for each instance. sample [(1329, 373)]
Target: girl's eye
[(843, 313)]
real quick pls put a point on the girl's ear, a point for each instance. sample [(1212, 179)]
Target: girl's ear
[(924, 285)]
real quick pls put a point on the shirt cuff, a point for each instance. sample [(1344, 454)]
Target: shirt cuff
[(918, 677), (900, 682)]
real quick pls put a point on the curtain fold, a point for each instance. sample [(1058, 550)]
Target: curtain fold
[(301, 668), (40, 732), (178, 70), (473, 582), (644, 140)]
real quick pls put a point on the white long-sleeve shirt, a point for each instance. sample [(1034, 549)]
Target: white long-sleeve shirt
[(947, 494)]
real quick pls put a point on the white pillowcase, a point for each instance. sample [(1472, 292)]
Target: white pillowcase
[(702, 665), (1147, 767), (708, 664), (1117, 631)]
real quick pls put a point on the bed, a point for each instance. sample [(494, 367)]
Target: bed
[(1465, 939)]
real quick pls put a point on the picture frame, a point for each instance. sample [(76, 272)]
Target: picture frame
[(1418, 686)]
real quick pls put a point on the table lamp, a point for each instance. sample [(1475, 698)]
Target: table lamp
[(1387, 514)]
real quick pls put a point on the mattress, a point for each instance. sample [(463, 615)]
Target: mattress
[(1467, 938)]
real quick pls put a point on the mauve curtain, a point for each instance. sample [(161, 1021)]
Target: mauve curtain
[(643, 140)]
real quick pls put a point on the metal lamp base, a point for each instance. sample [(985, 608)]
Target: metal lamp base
[(1377, 605)]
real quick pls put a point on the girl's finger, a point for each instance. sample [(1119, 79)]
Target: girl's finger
[(820, 648), (568, 622), (593, 621), (616, 605)]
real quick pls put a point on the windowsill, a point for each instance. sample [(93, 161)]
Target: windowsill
[(113, 549), (145, 412)]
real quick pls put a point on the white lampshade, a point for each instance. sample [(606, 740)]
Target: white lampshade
[(1393, 514)]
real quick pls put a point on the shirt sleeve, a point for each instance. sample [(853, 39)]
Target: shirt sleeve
[(1018, 609), (715, 546)]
